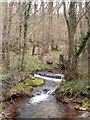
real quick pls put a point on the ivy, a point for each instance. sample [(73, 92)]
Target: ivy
[(83, 39)]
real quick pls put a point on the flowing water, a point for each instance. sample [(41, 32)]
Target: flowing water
[(44, 103)]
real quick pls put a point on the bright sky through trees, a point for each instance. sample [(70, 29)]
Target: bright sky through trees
[(37, 1)]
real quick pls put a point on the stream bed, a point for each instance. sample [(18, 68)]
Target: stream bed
[(43, 104)]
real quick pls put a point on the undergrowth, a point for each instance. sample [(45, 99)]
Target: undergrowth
[(73, 89)]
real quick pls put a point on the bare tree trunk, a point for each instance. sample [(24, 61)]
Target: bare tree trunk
[(20, 35), (6, 36), (42, 48), (8, 33), (50, 36), (34, 34)]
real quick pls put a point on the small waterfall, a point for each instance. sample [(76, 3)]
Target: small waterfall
[(51, 91), (43, 96)]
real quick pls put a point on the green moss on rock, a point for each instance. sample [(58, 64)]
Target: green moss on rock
[(34, 82), (24, 87)]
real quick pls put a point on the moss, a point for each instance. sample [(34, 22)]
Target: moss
[(28, 89), (83, 106), (2, 107), (21, 87), (25, 87), (6, 95), (77, 107), (34, 82)]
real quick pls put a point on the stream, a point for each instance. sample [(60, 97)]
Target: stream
[(43, 104)]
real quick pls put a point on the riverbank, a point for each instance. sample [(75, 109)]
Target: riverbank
[(74, 94), (19, 86), (69, 93), (44, 104), (19, 91)]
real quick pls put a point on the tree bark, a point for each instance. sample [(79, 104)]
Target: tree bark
[(26, 16), (34, 34), (50, 24), (20, 34), (71, 67), (33, 50), (81, 30), (88, 22), (6, 36)]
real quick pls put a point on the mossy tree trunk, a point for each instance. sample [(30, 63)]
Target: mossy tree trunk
[(71, 65), (88, 21), (82, 30), (71, 71), (26, 17)]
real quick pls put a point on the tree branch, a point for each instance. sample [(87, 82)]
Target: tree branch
[(65, 15), (82, 15)]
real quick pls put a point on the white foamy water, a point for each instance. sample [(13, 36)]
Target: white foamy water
[(39, 98), (51, 91), (42, 97), (48, 78)]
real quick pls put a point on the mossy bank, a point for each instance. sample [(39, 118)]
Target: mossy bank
[(25, 87)]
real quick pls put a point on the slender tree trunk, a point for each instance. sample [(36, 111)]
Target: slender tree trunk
[(33, 49), (50, 36), (6, 36), (82, 31), (20, 35), (34, 34), (43, 45), (26, 16)]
